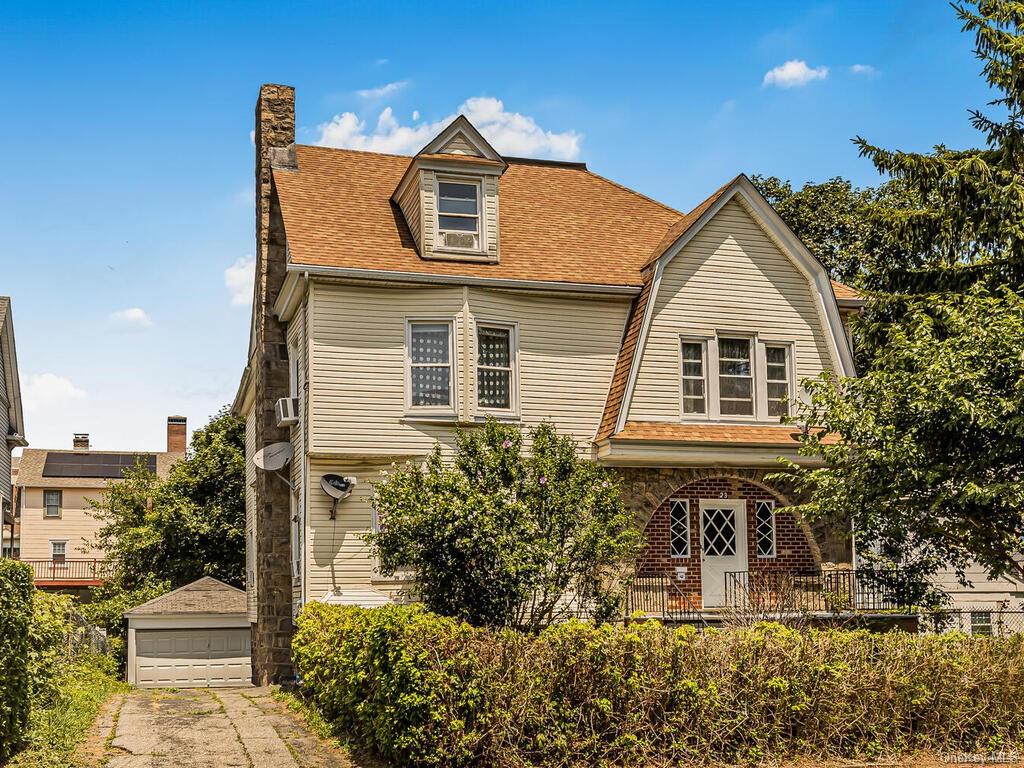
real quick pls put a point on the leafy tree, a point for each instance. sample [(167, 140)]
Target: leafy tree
[(930, 451), (839, 223), (502, 537), (190, 525)]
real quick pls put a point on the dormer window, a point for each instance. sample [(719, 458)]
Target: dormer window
[(458, 214)]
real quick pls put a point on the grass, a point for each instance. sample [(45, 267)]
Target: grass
[(56, 730), (311, 715)]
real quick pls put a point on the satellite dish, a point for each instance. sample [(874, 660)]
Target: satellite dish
[(338, 488), (273, 457)]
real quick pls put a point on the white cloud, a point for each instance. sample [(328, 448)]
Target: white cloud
[(415, 114), (47, 391), (510, 133), (133, 317), (864, 69), (239, 278), (382, 91), (793, 74)]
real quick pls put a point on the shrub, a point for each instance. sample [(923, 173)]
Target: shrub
[(15, 626), (428, 691), (502, 537), (48, 644)]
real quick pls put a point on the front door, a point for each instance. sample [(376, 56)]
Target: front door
[(723, 546)]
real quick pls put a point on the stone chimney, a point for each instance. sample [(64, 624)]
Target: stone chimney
[(271, 542), (177, 434), (81, 441)]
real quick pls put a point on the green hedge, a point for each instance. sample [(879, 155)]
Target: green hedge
[(15, 659), (422, 690)]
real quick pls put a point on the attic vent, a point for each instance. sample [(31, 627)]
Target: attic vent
[(465, 240)]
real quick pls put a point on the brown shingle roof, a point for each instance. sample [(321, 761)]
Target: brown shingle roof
[(732, 434), (844, 291), (624, 362), (207, 595), (558, 223)]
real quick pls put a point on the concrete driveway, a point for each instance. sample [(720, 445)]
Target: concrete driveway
[(200, 728)]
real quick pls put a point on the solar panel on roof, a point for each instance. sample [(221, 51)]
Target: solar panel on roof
[(98, 465)]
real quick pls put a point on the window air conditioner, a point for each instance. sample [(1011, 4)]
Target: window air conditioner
[(287, 411)]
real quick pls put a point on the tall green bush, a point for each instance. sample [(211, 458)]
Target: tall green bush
[(429, 691), (15, 626)]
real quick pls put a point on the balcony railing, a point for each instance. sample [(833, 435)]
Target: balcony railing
[(658, 596), (815, 591), (68, 571)]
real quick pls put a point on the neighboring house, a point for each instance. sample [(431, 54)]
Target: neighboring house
[(11, 538), (400, 297), (12, 423), (58, 524)]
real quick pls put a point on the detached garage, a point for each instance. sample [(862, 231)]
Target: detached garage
[(194, 637)]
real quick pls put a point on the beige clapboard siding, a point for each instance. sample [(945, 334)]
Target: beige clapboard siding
[(337, 557), (358, 348), (567, 350), (297, 346), (250, 508), (428, 224), (409, 202), (729, 277), (76, 524), (460, 146), (489, 193)]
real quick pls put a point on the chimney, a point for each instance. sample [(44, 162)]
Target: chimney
[(81, 441), (177, 434)]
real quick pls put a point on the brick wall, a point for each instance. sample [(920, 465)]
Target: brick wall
[(793, 549)]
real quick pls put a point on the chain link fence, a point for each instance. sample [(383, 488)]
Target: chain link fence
[(981, 621)]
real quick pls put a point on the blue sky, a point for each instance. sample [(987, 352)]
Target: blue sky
[(126, 200)]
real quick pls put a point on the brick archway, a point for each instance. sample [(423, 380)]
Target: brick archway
[(648, 493)]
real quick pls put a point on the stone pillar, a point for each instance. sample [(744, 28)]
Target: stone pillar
[(272, 632)]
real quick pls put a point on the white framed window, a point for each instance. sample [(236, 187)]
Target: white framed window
[(981, 623), (458, 214), (764, 528), (496, 369), (52, 503), (430, 353), (778, 379), (58, 550), (735, 376), (693, 368), (679, 527)]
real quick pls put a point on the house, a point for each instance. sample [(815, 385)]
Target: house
[(399, 297), (12, 423), (11, 534), (58, 524)]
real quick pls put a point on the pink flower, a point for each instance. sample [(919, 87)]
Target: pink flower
[(543, 480), (507, 443)]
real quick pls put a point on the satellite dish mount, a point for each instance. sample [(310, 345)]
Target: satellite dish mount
[(274, 458), (338, 488)]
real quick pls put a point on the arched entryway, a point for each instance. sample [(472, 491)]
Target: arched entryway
[(713, 529)]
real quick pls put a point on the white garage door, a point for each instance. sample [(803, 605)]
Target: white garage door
[(192, 658)]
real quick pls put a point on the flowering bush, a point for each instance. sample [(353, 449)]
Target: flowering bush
[(423, 690), (505, 537)]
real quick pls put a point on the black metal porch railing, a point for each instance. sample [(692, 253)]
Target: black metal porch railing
[(88, 571), (658, 596), (816, 591)]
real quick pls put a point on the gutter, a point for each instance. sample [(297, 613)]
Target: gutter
[(485, 282)]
